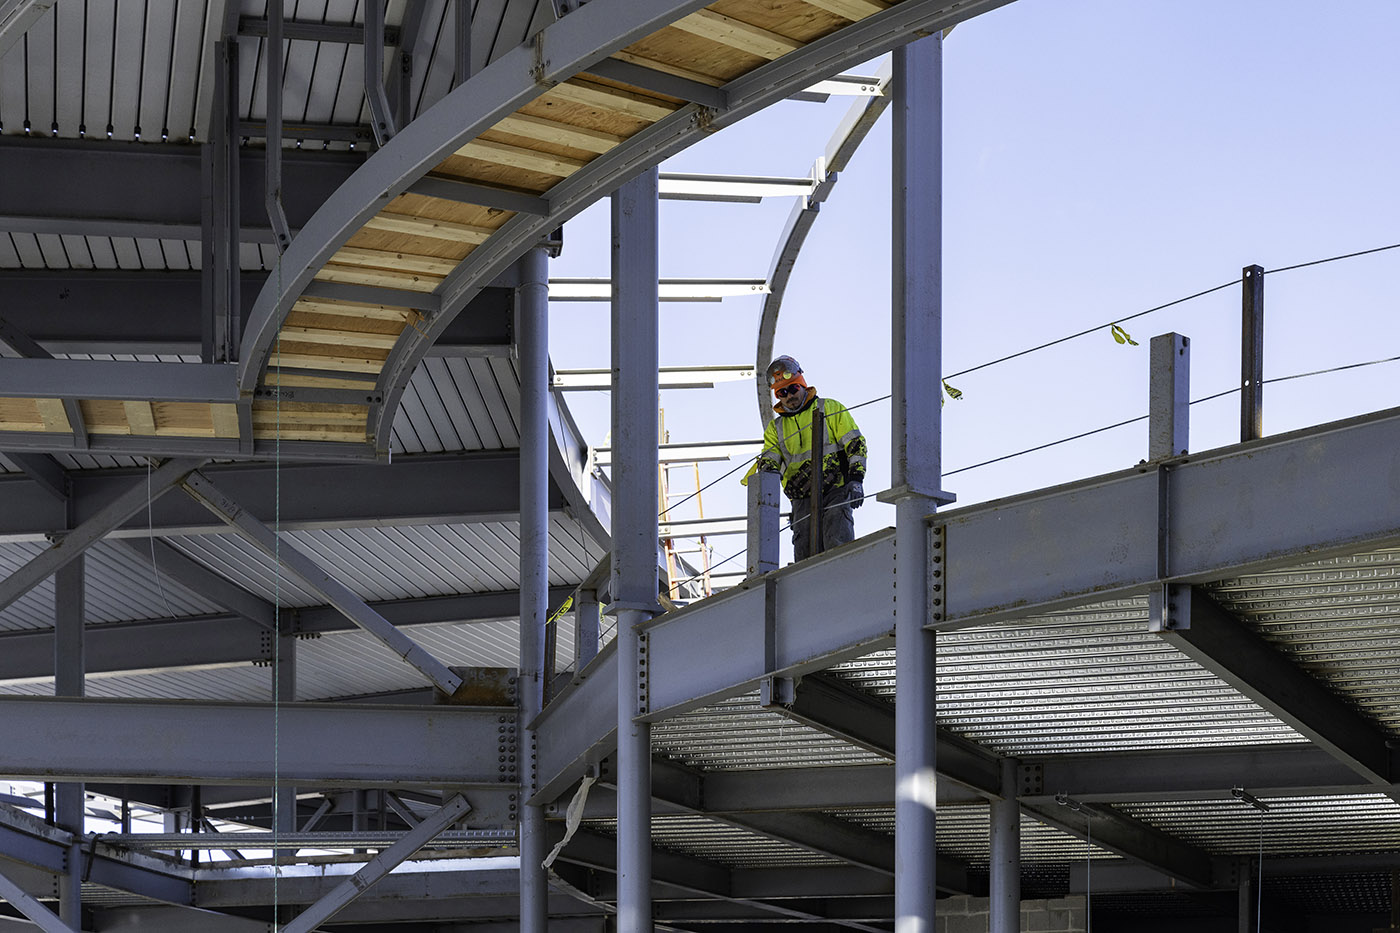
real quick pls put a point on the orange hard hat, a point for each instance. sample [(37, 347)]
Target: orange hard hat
[(785, 371)]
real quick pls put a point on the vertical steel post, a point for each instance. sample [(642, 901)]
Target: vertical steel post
[(381, 119), (272, 192), (917, 469), (1169, 397), (635, 399), (1006, 854), (462, 34), (532, 300), (764, 508), (1252, 354), (285, 691), (220, 267), (69, 664), (586, 625), (1244, 912)]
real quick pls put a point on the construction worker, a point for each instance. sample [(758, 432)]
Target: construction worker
[(790, 444)]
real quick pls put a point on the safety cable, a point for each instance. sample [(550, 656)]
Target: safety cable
[(1085, 332)]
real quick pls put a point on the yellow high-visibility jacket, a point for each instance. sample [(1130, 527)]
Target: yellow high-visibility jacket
[(787, 447)]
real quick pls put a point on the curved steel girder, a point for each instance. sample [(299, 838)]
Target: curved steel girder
[(745, 95), (855, 126), (526, 72), (558, 52)]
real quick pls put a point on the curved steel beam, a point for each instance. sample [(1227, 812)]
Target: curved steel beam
[(855, 126), (745, 95), (526, 72)]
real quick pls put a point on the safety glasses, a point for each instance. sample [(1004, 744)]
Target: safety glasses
[(787, 390)]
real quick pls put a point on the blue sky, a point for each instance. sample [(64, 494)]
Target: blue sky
[(1100, 158)]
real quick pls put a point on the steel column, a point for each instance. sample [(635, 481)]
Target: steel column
[(284, 690), (635, 397), (220, 220), (68, 681), (462, 34), (1006, 854), (533, 305), (916, 476), (1252, 354)]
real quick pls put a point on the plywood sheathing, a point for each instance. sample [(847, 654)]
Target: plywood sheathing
[(23, 414)]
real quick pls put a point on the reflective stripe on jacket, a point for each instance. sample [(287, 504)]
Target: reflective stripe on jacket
[(787, 448)]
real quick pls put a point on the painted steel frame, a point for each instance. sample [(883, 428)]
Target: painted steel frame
[(153, 741)]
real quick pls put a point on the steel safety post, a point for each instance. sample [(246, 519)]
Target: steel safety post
[(764, 509), (69, 667), (1006, 854), (586, 625), (1252, 353), (1169, 397), (532, 300), (917, 469), (635, 398)]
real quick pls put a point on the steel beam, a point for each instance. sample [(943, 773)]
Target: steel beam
[(116, 311), (314, 31), (414, 490), (32, 908), (16, 16), (382, 118), (318, 581), (163, 742), (104, 520), (222, 639), (1243, 659), (534, 669), (115, 379), (170, 562), (379, 866), (47, 475), (273, 54), (101, 188)]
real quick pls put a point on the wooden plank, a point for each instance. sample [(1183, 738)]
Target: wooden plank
[(52, 415), (21, 414), (354, 275), (339, 338), (140, 417), (552, 131), (298, 380), (353, 309), (401, 262), (325, 434), (531, 160), (314, 361), (427, 227), (184, 419), (736, 34), (263, 419), (104, 416), (793, 19), (225, 419), (677, 70), (591, 94), (853, 10)]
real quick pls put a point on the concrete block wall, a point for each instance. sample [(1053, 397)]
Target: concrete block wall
[(964, 914)]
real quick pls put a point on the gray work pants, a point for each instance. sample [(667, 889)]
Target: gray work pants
[(838, 524)]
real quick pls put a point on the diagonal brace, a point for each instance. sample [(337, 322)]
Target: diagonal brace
[(30, 906), (107, 519), (379, 866), (318, 581)]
